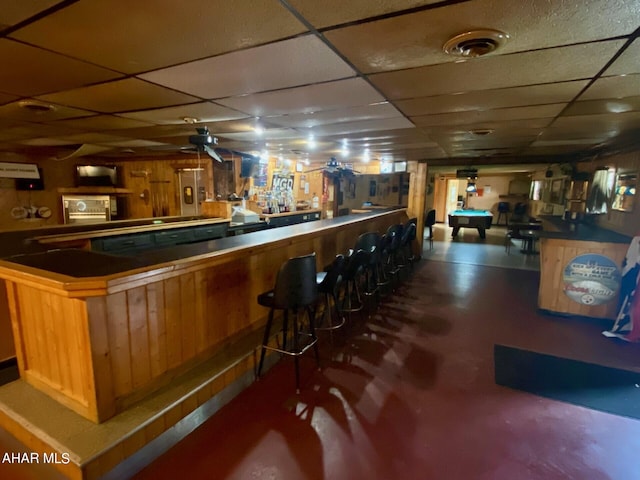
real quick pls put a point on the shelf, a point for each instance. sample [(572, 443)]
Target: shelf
[(95, 190)]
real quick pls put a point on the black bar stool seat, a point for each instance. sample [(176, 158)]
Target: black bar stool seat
[(328, 285), (295, 291)]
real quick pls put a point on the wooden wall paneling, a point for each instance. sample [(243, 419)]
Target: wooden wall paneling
[(157, 328), (17, 327), (200, 315), (57, 333), (101, 357), (78, 357), (7, 348), (119, 342), (38, 362), (172, 321), (139, 336), (417, 200), (187, 316)]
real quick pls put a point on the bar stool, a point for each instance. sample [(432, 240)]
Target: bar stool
[(406, 244), (430, 221), (394, 236), (503, 209), (328, 285), (353, 271), (295, 290), (370, 243)]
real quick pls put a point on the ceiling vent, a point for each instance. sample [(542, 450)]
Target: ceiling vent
[(475, 43)]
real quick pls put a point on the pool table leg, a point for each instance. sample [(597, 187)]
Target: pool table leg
[(482, 232), (455, 231)]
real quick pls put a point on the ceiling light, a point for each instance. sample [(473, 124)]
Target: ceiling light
[(190, 120), (471, 187), (481, 132), (36, 107), (475, 43)]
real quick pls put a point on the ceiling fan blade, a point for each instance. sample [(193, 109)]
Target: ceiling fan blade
[(212, 153)]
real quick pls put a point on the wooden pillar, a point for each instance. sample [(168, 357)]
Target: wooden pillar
[(417, 197)]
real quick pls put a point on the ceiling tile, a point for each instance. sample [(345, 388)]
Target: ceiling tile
[(119, 96), (298, 61), (21, 111), (94, 137), (14, 130), (102, 123), (529, 68), (497, 115), (613, 105), (363, 126), (562, 92), (31, 71), (16, 11), (335, 12), (6, 98), (628, 62), (600, 128), (269, 134), (204, 112), (323, 117), (613, 87), (416, 39), (326, 96), (133, 37)]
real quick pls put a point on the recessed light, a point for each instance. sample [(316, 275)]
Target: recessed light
[(36, 107), (475, 43)]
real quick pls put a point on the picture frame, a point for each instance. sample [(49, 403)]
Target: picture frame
[(555, 196)]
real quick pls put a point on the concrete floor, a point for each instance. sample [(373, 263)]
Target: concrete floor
[(408, 392)]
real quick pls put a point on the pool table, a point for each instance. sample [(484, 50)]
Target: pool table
[(480, 219)]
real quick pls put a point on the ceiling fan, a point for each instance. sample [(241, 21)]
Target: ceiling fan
[(203, 143), (335, 168)]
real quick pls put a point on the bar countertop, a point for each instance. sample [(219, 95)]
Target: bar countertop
[(82, 263), (556, 227)]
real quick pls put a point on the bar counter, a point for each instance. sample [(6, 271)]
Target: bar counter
[(98, 332), (565, 245)]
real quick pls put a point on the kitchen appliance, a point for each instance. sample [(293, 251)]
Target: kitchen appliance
[(86, 208), (192, 190)]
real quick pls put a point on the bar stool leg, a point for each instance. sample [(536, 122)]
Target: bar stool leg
[(265, 341), (296, 349), (312, 331)]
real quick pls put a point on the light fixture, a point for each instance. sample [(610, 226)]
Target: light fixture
[(471, 187), (36, 107), (475, 43)]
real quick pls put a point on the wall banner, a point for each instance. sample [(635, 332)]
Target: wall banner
[(591, 279), (18, 170)]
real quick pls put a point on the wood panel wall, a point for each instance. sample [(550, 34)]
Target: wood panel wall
[(7, 350), (99, 354), (53, 346), (555, 254)]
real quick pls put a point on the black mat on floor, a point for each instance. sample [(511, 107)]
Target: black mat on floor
[(9, 374), (590, 385)]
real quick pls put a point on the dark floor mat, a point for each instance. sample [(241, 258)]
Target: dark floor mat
[(587, 384)]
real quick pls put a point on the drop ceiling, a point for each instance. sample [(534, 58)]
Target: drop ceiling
[(310, 79)]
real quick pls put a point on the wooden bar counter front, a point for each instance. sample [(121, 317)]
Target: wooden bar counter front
[(99, 343)]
